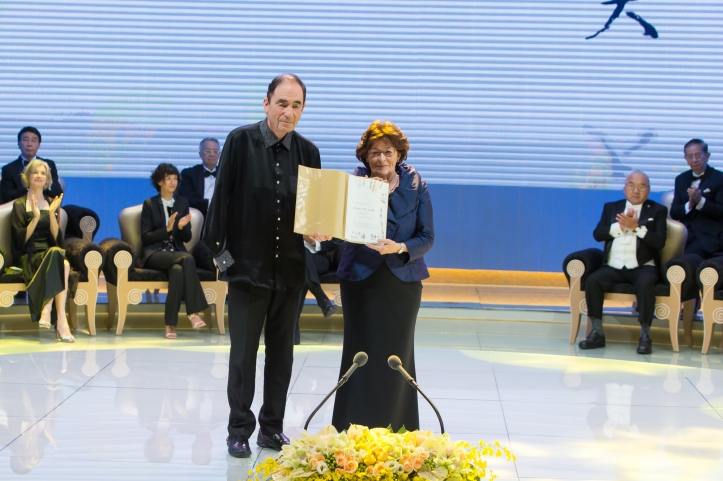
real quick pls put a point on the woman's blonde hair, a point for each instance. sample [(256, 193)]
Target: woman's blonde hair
[(382, 129), (29, 170)]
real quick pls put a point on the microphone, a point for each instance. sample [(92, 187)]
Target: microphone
[(360, 359), (396, 364)]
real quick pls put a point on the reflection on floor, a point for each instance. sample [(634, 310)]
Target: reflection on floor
[(141, 407)]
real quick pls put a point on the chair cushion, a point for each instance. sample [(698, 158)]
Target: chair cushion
[(329, 277), (662, 290), (147, 275), (205, 275), (11, 278)]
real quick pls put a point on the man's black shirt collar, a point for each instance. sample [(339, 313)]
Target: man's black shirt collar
[(270, 139)]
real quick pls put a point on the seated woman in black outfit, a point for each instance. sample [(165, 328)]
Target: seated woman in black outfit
[(165, 226), (36, 240), (381, 290)]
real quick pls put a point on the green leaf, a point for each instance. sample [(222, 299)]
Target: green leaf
[(402, 430)]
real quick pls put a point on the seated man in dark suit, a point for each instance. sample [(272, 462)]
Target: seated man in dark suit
[(198, 182), (320, 258), (634, 230), (11, 185), (698, 202)]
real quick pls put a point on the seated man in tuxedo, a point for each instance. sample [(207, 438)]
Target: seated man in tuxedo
[(11, 185), (698, 202), (634, 230), (198, 182), (320, 259)]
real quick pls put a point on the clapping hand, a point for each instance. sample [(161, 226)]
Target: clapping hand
[(55, 204), (695, 196), (36, 209), (183, 222), (171, 221), (628, 220)]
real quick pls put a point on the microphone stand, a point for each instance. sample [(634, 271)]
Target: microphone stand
[(359, 360), (396, 364)]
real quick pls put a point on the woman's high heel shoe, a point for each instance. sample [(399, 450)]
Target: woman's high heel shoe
[(58, 337), (44, 324)]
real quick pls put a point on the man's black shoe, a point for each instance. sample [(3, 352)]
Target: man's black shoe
[(593, 341), (272, 441), (645, 344), (238, 446), (328, 307)]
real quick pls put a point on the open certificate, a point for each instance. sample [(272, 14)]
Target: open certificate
[(332, 202)]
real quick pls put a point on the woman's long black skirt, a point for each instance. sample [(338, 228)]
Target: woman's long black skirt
[(380, 313)]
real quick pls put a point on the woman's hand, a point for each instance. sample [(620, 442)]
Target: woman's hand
[(36, 209), (171, 221), (183, 222), (385, 246), (55, 205)]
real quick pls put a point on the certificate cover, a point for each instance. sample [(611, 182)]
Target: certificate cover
[(344, 206)]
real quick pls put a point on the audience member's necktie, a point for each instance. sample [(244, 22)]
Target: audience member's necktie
[(25, 163), (208, 173)]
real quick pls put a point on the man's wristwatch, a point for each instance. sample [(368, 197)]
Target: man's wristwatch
[(401, 248)]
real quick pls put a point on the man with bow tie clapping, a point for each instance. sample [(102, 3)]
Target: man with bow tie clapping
[(698, 202), (199, 181), (634, 230)]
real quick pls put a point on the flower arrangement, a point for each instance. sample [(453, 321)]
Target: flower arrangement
[(360, 453)]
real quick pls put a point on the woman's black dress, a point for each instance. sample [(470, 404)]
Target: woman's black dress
[(40, 258), (380, 313)]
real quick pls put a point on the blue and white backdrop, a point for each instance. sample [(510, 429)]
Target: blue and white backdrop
[(522, 119)]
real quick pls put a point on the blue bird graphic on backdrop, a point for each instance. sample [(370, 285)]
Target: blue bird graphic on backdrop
[(648, 29)]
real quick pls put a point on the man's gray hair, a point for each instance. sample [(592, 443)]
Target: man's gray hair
[(647, 179), (205, 139)]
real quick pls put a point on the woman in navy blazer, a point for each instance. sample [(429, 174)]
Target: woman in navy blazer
[(165, 226), (381, 289)]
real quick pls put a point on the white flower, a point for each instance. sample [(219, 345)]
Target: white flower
[(322, 468)]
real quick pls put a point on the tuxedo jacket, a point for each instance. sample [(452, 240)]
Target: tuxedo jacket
[(153, 227), (11, 185), (652, 215), (192, 188), (706, 224)]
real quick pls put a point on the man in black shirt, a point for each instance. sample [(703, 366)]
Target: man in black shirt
[(251, 217)]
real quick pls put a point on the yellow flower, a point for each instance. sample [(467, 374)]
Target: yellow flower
[(369, 459)]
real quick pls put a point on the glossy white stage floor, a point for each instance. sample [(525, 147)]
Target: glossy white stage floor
[(140, 407)]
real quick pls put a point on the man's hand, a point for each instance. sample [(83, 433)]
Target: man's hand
[(628, 220), (695, 195), (183, 222), (318, 237), (171, 221)]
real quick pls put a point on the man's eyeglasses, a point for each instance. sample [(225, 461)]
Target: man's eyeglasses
[(375, 154), (209, 152), (697, 156)]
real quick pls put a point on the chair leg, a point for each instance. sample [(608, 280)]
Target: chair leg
[(688, 314), (219, 317), (73, 314), (207, 317), (90, 316), (112, 305), (575, 315), (673, 328), (122, 311), (708, 330)]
